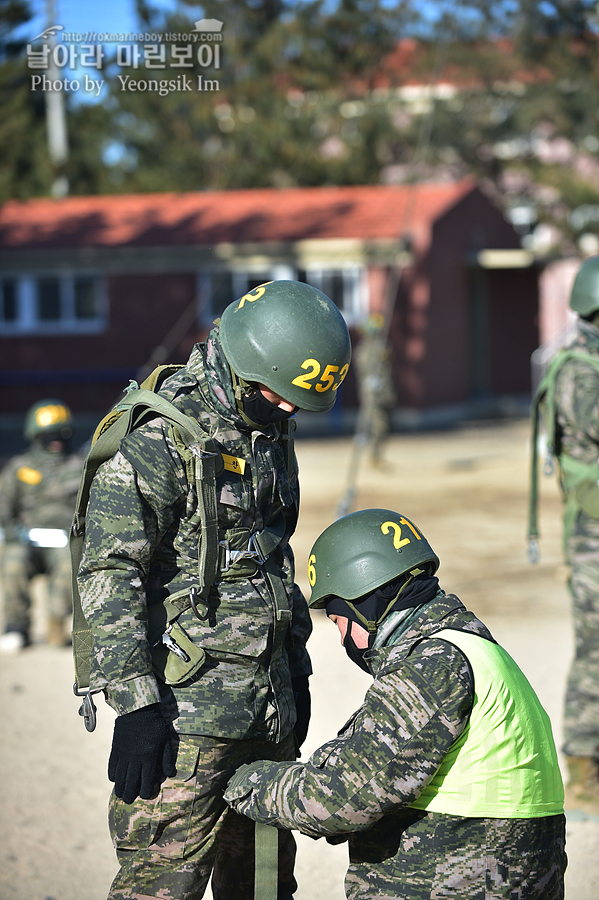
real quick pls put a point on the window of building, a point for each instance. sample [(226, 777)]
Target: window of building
[(52, 304), (217, 289), (347, 288), (48, 300), (8, 300), (86, 298)]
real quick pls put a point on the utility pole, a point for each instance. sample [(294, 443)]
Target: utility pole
[(56, 121)]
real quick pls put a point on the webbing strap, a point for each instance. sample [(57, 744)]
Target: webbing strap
[(209, 551), (266, 863), (134, 409)]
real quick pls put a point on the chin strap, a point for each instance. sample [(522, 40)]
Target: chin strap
[(240, 389), (371, 626)]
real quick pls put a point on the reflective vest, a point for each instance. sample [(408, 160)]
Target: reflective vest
[(504, 764)]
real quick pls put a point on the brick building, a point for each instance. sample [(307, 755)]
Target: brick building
[(95, 288)]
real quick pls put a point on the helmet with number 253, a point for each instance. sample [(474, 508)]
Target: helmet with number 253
[(364, 551), (291, 337)]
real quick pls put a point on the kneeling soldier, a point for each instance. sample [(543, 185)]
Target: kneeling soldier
[(445, 782)]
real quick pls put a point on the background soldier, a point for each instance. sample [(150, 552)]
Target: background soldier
[(570, 392), (282, 346), (38, 490), (375, 385), (439, 791)]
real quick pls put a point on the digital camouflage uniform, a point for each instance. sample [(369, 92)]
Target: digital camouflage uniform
[(38, 489), (577, 414), (358, 787), (142, 546)]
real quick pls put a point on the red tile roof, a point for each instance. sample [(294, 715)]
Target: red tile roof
[(206, 218)]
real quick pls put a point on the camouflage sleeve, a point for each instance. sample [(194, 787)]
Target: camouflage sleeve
[(381, 760), (8, 498), (126, 518)]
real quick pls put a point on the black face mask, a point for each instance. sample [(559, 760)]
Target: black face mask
[(262, 411), (49, 437), (355, 653)]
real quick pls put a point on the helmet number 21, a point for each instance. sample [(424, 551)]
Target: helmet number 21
[(398, 541), (326, 380)]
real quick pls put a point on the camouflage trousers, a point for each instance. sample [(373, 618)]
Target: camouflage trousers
[(581, 714), (19, 563), (167, 847), (422, 855)]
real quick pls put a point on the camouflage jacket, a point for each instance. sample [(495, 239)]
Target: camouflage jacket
[(142, 534), (418, 705), (38, 489), (359, 785), (577, 399)]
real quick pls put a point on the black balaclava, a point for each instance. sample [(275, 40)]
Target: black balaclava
[(262, 411), (253, 406), (63, 435), (411, 590)]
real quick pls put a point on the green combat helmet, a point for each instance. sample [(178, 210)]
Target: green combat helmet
[(49, 416), (584, 298), (289, 336), (364, 551)]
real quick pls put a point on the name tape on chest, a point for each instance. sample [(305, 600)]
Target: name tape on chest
[(28, 475), (234, 463)]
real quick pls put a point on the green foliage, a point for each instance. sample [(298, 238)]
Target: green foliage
[(26, 169), (315, 93)]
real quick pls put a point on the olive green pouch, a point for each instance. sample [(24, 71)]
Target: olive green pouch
[(174, 668)]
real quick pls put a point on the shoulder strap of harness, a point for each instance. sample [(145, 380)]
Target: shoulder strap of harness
[(544, 400), (139, 406)]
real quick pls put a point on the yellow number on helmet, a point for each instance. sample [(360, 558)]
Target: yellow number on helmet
[(254, 294), (398, 542), (312, 571), (302, 380)]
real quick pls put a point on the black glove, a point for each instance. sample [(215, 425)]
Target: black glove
[(301, 695), (142, 754)]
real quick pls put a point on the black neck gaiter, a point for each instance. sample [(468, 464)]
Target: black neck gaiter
[(262, 411), (355, 653), (373, 606)]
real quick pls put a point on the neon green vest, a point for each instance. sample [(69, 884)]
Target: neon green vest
[(504, 764)]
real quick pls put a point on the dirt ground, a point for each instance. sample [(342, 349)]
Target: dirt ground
[(467, 490)]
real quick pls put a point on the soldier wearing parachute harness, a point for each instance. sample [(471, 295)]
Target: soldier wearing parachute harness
[(38, 489), (446, 781), (187, 588), (568, 399)]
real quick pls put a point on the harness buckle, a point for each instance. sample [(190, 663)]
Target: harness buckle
[(171, 645), (87, 709), (198, 450), (253, 551)]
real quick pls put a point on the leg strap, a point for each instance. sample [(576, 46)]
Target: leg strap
[(267, 862)]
